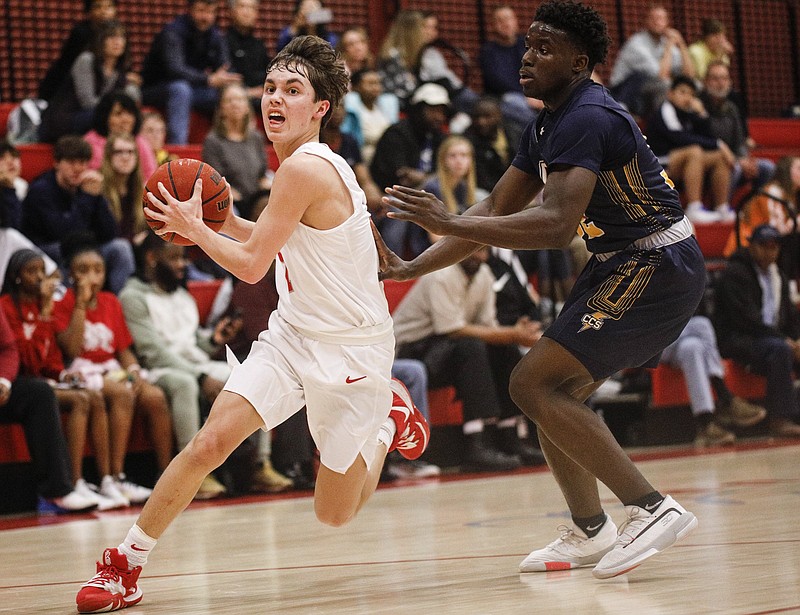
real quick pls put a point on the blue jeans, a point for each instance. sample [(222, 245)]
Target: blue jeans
[(178, 98), (413, 374)]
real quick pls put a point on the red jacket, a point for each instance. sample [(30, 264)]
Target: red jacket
[(39, 354), (9, 356)]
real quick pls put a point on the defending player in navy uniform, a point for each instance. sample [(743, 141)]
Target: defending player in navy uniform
[(640, 288)]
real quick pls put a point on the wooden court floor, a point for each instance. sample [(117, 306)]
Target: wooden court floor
[(443, 547)]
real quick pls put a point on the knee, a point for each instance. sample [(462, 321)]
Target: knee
[(207, 449), (523, 391), (333, 518), (179, 90)]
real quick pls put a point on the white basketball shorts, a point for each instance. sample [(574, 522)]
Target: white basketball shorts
[(345, 389)]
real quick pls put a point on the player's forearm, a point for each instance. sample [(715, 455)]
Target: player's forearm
[(238, 228), (243, 260)]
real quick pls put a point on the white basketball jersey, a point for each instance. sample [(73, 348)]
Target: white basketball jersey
[(328, 279)]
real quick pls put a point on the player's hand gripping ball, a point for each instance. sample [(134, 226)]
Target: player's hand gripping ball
[(179, 177)]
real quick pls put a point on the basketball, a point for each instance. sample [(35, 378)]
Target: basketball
[(178, 177)]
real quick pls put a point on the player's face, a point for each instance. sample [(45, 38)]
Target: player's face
[(547, 66), (288, 106)]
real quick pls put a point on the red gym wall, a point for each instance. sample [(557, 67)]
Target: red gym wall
[(765, 33)]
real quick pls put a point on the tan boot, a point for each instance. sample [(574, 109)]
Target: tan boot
[(268, 480), (784, 428), (210, 488), (714, 434), (741, 413)]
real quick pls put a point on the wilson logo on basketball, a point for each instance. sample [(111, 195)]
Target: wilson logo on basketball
[(223, 204)]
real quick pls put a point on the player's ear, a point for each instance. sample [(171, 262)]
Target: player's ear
[(322, 108), (580, 63)]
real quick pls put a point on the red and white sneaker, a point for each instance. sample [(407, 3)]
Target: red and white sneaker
[(413, 432), (112, 588)]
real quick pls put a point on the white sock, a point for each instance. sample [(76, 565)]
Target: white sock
[(137, 546), (695, 205), (723, 207), (473, 426), (386, 433)]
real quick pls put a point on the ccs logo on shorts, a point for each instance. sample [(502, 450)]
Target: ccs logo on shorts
[(592, 321)]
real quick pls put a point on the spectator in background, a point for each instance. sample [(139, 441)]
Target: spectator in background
[(154, 131), (186, 66), (495, 146), (448, 321), (80, 38), (500, 59), (406, 154), (102, 69), (347, 147), (165, 325), (433, 68), (757, 324), (370, 111), (69, 199), (249, 56), (354, 48), (12, 187), (695, 353), (775, 204), (399, 54), (310, 17), (118, 114), (28, 303), (727, 123), (31, 402), (679, 133), (647, 63), (235, 149), (91, 331), (713, 46), (123, 186)]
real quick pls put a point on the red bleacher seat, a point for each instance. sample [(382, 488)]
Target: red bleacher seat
[(444, 407), (713, 237), (204, 293), (36, 158), (668, 387)]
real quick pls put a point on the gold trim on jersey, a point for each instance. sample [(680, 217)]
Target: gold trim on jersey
[(635, 179)]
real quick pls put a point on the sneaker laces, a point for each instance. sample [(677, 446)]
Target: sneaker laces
[(631, 527), (107, 574), (568, 537)]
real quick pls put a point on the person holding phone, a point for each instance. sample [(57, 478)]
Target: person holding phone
[(310, 17)]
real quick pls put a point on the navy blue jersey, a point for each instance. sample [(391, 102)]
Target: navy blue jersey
[(633, 196)]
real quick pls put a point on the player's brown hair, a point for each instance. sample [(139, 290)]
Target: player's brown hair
[(315, 59)]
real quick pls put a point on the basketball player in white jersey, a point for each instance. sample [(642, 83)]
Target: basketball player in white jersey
[(329, 345)]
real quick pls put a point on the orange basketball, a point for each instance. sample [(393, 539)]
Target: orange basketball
[(178, 177)]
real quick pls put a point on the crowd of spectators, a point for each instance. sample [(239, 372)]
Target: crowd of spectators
[(131, 341)]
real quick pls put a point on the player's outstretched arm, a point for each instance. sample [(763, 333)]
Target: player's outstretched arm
[(512, 193)]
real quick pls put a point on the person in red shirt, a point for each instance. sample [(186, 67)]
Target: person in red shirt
[(27, 303), (91, 330)]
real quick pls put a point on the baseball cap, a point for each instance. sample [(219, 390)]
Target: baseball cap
[(432, 94), (765, 233)]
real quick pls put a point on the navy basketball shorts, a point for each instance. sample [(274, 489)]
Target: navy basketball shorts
[(624, 311)]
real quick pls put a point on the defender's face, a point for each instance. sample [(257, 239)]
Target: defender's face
[(288, 106), (547, 63)]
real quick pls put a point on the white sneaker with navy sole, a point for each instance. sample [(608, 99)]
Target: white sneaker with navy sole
[(645, 534), (572, 549)]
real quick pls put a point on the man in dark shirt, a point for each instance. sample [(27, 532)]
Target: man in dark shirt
[(500, 59), (588, 158), (249, 56), (68, 199), (186, 66)]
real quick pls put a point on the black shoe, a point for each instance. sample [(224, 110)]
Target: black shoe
[(302, 480), (511, 444), (479, 457)]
